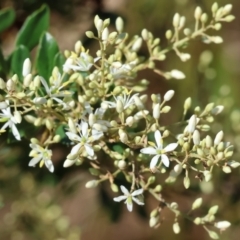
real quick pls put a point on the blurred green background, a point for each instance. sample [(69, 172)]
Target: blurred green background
[(39, 205)]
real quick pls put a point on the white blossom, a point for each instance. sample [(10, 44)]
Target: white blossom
[(82, 63), (42, 155), (159, 151), (126, 100), (129, 197), (10, 121), (119, 70), (84, 139), (54, 91)]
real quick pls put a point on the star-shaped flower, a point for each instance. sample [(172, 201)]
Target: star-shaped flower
[(129, 197), (82, 63), (10, 120), (159, 151), (42, 155), (126, 101), (83, 138)]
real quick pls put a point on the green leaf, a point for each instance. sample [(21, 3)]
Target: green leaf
[(3, 64), (47, 51), (17, 59), (33, 28), (59, 60), (7, 17)]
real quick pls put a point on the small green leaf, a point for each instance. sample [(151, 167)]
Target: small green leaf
[(3, 64), (17, 59), (47, 51), (7, 17), (33, 28)]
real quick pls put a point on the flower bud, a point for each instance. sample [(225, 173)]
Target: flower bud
[(119, 106), (49, 124), (27, 80), (26, 67), (177, 74), (166, 109), (196, 137), (208, 141), (227, 9), (156, 111), (168, 95), (197, 13), (192, 123), (197, 203), (105, 34), (122, 164), (119, 24), (57, 138), (176, 228), (123, 136), (176, 19), (137, 45), (89, 34), (222, 225), (91, 184), (138, 103), (39, 100), (17, 117), (10, 85), (130, 121), (78, 46), (30, 118), (145, 34), (204, 18), (168, 34), (218, 138)]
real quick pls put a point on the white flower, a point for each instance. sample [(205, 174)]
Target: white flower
[(129, 197), (159, 151), (119, 70), (11, 120), (42, 155), (95, 119), (82, 63), (126, 101), (54, 91), (84, 139)]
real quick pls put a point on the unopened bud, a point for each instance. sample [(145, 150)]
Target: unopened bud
[(196, 137), (91, 184), (192, 123), (168, 95), (156, 111), (197, 13), (176, 19), (119, 24), (137, 45), (26, 67)]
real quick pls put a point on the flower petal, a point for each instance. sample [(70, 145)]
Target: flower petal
[(68, 163), (120, 198), (76, 148), (34, 161), (124, 190), (137, 192), (129, 206), (158, 139), (49, 165), (136, 200), (15, 132), (154, 161), (89, 149), (84, 129), (170, 147), (165, 160), (73, 137), (148, 150)]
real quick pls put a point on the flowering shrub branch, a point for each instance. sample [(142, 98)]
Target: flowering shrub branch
[(97, 103)]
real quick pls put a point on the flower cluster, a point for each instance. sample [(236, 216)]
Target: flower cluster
[(107, 121)]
